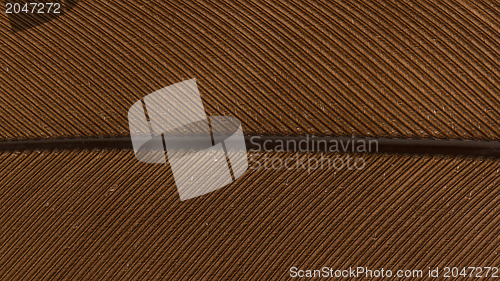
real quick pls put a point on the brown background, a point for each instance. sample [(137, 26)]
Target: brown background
[(397, 69), (408, 69)]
